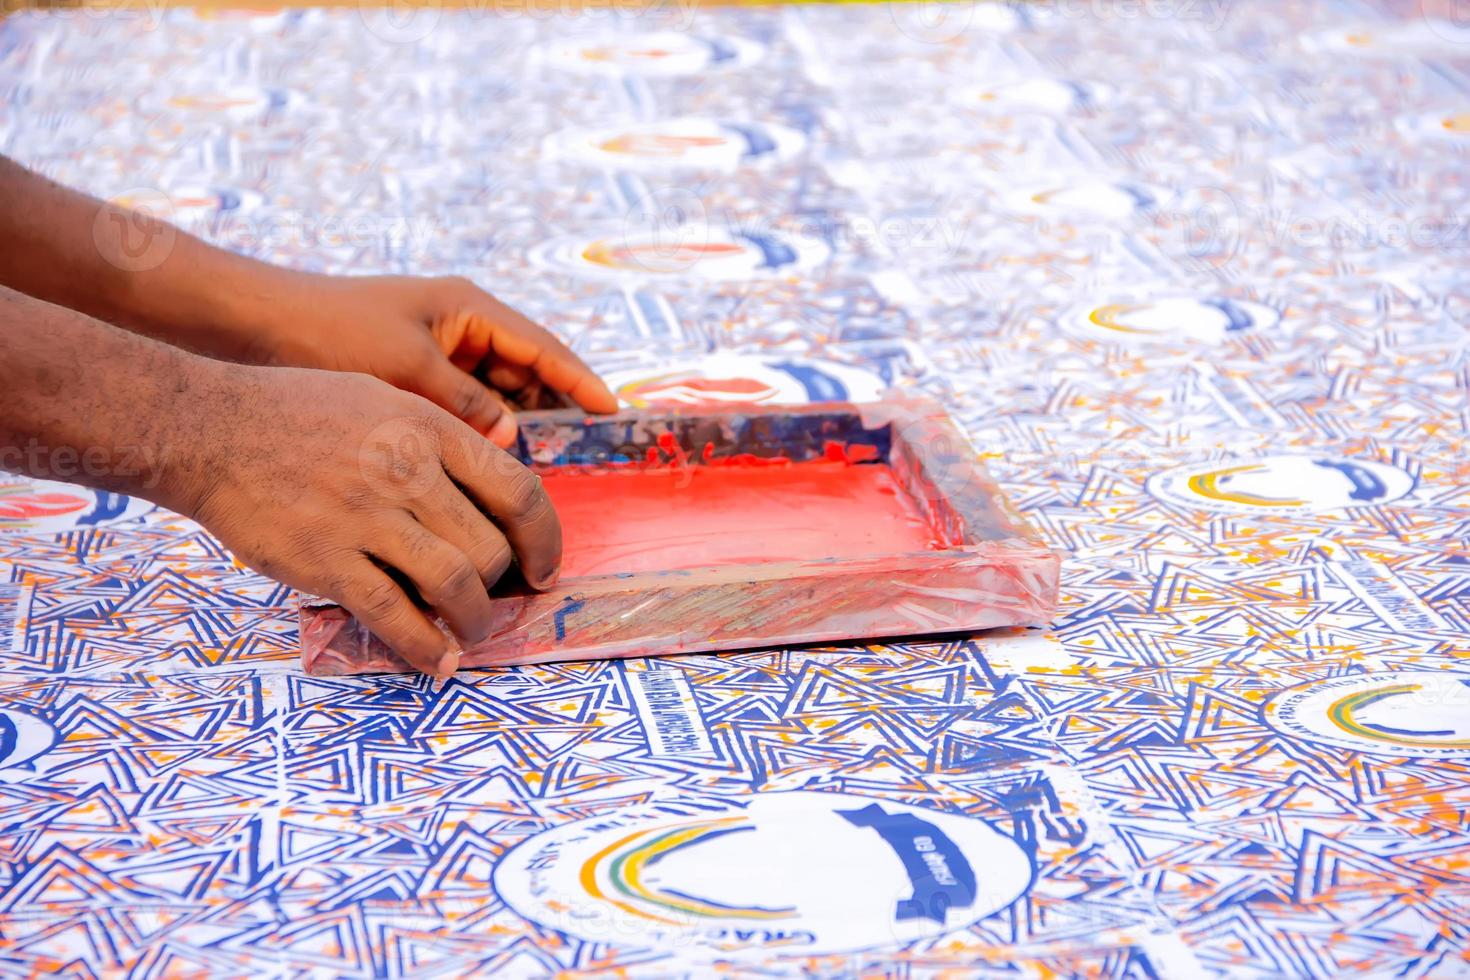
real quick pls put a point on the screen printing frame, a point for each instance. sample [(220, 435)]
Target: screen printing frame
[(992, 570)]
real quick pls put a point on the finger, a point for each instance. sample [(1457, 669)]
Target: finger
[(465, 348), (451, 516), (379, 604), (544, 397), (519, 386), (491, 327), (507, 377), (464, 337), (442, 575), (483, 409), (513, 497)]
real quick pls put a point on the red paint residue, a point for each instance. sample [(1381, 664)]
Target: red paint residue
[(854, 452), (740, 459), (680, 517), (667, 444), (669, 455), (34, 505)]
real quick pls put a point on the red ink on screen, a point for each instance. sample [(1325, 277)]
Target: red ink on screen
[(702, 516)]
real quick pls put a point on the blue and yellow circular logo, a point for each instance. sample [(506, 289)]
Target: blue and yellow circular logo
[(696, 252), (1422, 35), (656, 54), (1418, 714), (797, 873), (1035, 94), (1451, 125), (1163, 319), (1281, 484), (1080, 197), (687, 143)]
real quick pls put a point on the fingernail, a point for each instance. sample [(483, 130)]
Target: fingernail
[(612, 400), (503, 432), (549, 579), (447, 665)]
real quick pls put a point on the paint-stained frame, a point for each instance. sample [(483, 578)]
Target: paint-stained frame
[(992, 571)]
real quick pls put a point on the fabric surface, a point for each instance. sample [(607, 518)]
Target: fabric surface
[(1192, 276)]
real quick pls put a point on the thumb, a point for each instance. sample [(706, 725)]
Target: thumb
[(455, 391)]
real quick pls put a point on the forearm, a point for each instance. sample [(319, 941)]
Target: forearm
[(88, 403), (128, 267)]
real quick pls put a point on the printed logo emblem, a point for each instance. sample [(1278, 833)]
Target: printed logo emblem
[(23, 739), (1047, 95), (1178, 319), (802, 873), (1281, 485), (679, 144), (746, 380), (1451, 125), (238, 104), (1427, 36), (190, 205), (661, 54), (261, 20), (1087, 197), (43, 507), (686, 252), (1419, 713)]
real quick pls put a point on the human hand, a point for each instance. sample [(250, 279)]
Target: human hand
[(342, 486), (441, 338), (445, 339)]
